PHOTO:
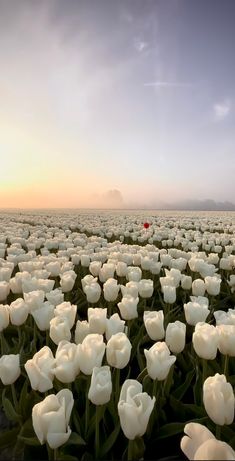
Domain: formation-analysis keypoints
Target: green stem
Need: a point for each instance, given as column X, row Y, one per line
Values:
column 130, row 450
column 87, row 408
column 204, row 370
column 2, row 343
column 50, row 453
column 97, row 432
column 218, row 432
column 226, row 360
column 117, row 383
column 14, row 398
column 141, row 376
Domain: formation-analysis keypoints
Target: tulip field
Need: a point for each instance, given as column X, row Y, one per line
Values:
column 117, row 333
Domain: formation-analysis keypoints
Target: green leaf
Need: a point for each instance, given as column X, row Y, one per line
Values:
column 75, row 439
column 181, row 390
column 9, row 409
column 170, row 429
column 108, row 444
column 7, row 437
column 66, row 457
column 32, row 441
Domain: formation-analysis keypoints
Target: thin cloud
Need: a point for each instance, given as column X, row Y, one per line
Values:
column 222, row 110
column 165, row 84
column 140, row 45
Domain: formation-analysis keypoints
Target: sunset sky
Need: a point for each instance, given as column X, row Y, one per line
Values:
column 116, row 102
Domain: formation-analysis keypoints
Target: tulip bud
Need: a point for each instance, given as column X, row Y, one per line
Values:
column 159, row 361
column 121, row 269
column 196, row 310
column 59, row 329
column 67, row 311
column 51, row 418
column 91, row 353
column 101, row 385
column 198, row 287
column 131, row 288
column 114, row 325
column 4, row 290
column 134, row 409
column 9, row 368
column 128, row 307
column 205, row 340
column 153, row 321
column 95, row 267
column 67, row 281
column 226, row 339
column 212, row 285
column 218, row 399
column 175, row 336
column 169, row 294
column 18, row 311
column 111, row 289
column 146, row 288
column 40, row 370
column 81, row 331
column 93, row 292
column 34, row 299
column 134, row 274
column 186, row 282
column 106, row 272
column 4, row 316
column 66, row 362
column 43, row 316
column 97, row 320
column 118, row 350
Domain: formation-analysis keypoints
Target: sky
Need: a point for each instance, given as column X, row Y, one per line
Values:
column 116, row 103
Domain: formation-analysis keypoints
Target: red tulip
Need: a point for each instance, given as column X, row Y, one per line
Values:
column 146, row 225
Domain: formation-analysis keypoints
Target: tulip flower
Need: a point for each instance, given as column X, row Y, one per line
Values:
column 175, row 336
column 66, row 362
column 97, row 320
column 9, row 368
column 159, row 361
column 205, row 340
column 153, row 321
column 91, row 353
column 51, row 418
column 40, row 370
column 218, row 399
column 118, row 350
column 134, row 409
column 101, row 385
column 128, row 307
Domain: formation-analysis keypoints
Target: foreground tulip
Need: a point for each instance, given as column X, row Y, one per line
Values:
column 134, row 409
column 101, row 385
column 199, row 444
column 40, row 370
column 153, row 321
column 218, row 399
column 91, row 353
column 128, row 307
column 9, row 368
column 66, row 362
column 118, row 350
column 97, row 319
column 51, row 418
column 175, row 336
column 18, row 311
column 114, row 325
column 198, row 287
column 111, row 290
column 205, row 341
column 159, row 361
column 226, row 339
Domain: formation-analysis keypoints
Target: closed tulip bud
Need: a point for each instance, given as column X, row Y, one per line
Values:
column 4, row 290
column 4, row 316
column 101, row 385
column 146, row 263
column 196, row 310
column 40, row 370
column 205, row 340
column 121, row 269
column 212, row 285
column 9, row 368
column 199, row 444
column 226, row 339
column 175, row 274
column 91, row 353
column 146, row 288
column 67, row 282
column 198, row 287
column 218, row 399
column 128, row 307
column 66, row 362
column 159, row 361
column 134, row 409
column 153, row 321
column 169, row 294
column 55, row 297
column 106, row 272
column 97, row 320
column 59, row 329
column 95, row 267
column 68, row 311
column 34, row 299
column 92, row 292
column 118, row 350
column 54, row 268
column 111, row 290
column 114, row 325
column 18, row 311
column 81, row 331
column 85, row 260
column 51, row 418
column 175, row 336
column 155, row 267
column 87, row 280
column 134, row 274
column 131, row 288
column 186, row 282
column 43, row 316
